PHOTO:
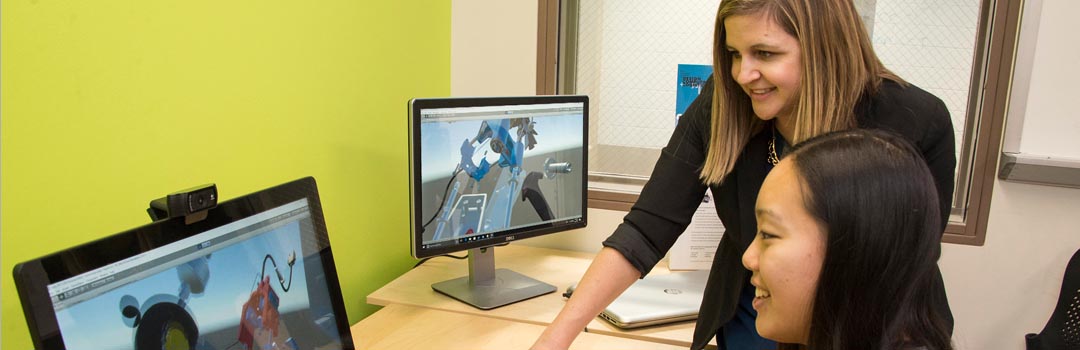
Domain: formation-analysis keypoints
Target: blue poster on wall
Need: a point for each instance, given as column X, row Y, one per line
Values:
column 691, row 78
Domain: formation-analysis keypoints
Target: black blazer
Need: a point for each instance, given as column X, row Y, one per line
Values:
column 674, row 191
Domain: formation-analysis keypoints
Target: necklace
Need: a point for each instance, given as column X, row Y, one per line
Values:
column 773, row 158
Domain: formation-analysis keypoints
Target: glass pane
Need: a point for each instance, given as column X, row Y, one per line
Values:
column 628, row 52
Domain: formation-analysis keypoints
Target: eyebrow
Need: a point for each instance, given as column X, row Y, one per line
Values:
column 768, row 213
column 765, row 47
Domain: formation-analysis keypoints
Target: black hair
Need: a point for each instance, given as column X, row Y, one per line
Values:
column 875, row 197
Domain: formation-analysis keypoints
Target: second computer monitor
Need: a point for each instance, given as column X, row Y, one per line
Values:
column 490, row 170
column 486, row 171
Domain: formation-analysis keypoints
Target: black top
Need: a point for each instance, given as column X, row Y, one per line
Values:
column 674, row 191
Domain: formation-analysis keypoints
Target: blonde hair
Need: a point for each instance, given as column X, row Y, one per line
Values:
column 839, row 67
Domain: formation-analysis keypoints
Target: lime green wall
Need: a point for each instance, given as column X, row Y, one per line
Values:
column 107, row 104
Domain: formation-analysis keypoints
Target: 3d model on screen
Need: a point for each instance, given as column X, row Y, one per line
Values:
column 260, row 326
column 467, row 207
column 166, row 321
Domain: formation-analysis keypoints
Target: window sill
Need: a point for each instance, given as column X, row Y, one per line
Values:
column 613, row 194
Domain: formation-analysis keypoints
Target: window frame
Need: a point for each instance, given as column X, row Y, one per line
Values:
column 995, row 56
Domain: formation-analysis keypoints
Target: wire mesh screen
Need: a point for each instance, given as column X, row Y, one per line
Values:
column 931, row 43
column 629, row 50
column 628, row 54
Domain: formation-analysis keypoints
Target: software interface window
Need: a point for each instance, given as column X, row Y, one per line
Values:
column 496, row 168
column 257, row 282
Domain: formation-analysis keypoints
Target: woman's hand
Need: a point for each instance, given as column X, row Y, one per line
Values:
column 607, row 277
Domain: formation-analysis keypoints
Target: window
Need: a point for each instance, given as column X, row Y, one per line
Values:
column 624, row 54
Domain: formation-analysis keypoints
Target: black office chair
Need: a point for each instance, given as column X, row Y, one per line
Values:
column 1062, row 331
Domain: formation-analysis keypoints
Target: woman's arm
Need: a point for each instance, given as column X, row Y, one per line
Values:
column 661, row 213
column 608, row 276
column 940, row 154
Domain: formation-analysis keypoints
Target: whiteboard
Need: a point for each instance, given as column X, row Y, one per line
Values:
column 1042, row 131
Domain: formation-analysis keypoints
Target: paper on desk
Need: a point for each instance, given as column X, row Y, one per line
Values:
column 694, row 250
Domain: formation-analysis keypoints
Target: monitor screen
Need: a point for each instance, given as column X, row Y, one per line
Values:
column 490, row 170
column 257, row 273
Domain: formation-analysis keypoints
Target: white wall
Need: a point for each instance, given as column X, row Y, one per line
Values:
column 998, row 292
column 1009, row 286
column 1047, row 128
column 493, row 47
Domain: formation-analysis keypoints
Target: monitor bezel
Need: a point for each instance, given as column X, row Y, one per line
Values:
column 415, row 197
column 33, row 277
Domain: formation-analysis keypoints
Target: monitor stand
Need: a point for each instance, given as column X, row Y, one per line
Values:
column 487, row 288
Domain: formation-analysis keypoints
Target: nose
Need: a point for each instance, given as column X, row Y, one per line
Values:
column 745, row 71
column 750, row 256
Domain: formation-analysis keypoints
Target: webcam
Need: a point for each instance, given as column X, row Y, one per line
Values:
column 191, row 204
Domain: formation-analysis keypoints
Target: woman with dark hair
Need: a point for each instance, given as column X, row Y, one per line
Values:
column 847, row 246
column 783, row 71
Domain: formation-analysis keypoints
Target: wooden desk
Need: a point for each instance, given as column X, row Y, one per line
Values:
column 557, row 267
column 409, row 327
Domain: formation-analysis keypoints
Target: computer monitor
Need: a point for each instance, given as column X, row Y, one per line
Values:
column 257, row 272
column 486, row 171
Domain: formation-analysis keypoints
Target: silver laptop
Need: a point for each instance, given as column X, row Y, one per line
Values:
column 657, row 299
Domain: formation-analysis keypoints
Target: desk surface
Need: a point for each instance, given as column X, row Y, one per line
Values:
column 409, row 327
column 557, row 267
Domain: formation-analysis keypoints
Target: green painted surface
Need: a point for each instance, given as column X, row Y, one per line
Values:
column 105, row 105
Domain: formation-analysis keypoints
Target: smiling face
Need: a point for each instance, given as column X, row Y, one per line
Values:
column 766, row 62
column 785, row 257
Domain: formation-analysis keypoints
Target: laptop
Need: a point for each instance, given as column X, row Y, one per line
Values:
column 657, row 299
column 257, row 272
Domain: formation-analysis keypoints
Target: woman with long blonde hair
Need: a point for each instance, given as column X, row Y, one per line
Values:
column 784, row 71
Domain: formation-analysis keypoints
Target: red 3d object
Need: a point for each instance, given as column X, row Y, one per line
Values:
column 260, row 314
